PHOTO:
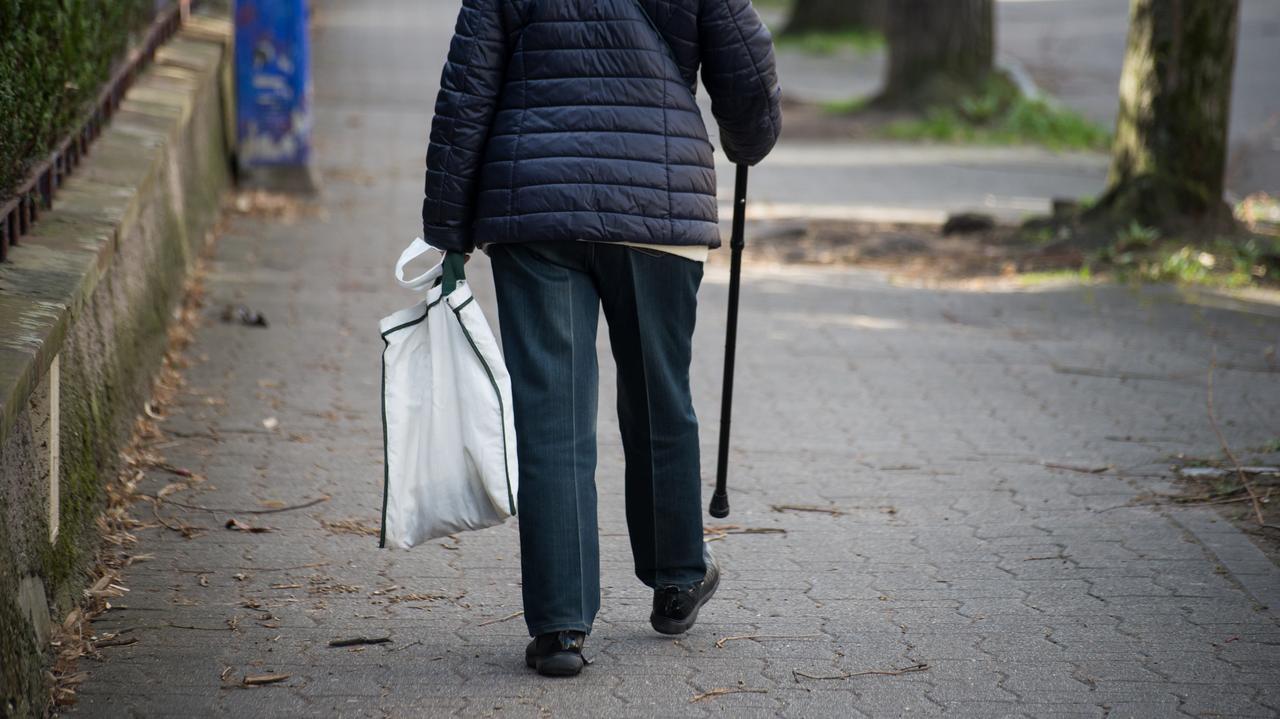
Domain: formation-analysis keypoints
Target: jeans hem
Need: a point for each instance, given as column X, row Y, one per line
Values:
column 561, row 627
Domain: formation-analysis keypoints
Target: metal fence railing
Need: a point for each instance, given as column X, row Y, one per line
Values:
column 35, row 193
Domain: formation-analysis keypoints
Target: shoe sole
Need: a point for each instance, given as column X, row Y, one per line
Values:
column 556, row 665
column 664, row 625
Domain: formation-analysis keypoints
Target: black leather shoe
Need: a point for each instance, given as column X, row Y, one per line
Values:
column 556, row 654
column 675, row 609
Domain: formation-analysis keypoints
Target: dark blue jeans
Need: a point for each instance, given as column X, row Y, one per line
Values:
column 549, row 300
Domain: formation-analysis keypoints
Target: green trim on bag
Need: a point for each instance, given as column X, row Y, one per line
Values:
column 411, row 323
column 502, row 409
column 386, row 467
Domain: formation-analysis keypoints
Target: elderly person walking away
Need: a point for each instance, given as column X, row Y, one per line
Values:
column 568, row 146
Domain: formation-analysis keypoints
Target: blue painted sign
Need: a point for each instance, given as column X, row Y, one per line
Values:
column 273, row 83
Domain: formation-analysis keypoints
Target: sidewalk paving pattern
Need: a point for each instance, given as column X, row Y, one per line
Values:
column 922, row 418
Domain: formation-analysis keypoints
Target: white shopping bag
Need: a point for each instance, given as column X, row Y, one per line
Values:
column 450, row 441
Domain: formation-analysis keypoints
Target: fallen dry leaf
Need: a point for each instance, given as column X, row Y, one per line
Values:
column 397, row 599
column 260, row 679
column 350, row 526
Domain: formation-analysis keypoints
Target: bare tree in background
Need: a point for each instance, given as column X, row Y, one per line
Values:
column 1169, row 158
column 939, row 50
column 809, row 16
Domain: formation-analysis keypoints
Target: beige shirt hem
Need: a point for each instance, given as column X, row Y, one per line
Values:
column 697, row 253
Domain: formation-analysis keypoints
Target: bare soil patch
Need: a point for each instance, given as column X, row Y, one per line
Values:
column 808, row 121
column 1219, row 484
column 909, row 251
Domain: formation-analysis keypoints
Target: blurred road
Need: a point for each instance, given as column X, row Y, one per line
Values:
column 920, row 477
column 1073, row 50
column 904, row 182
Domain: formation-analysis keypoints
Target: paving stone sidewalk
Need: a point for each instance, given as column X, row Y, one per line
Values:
column 942, row 431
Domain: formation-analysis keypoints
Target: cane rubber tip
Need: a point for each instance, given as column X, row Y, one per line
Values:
column 719, row 506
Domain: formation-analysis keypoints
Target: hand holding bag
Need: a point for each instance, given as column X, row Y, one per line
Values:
column 449, row 437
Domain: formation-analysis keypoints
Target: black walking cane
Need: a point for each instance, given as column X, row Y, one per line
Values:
column 720, row 500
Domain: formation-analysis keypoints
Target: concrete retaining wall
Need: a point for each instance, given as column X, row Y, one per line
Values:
column 84, row 306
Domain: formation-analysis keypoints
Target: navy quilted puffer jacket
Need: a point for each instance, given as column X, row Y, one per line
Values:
column 576, row 120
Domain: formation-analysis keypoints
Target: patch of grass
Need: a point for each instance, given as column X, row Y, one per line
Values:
column 1138, row 254
column 1034, row 279
column 998, row 116
column 863, row 42
column 1136, row 236
column 1271, row 447
column 1040, row 236
column 845, row 107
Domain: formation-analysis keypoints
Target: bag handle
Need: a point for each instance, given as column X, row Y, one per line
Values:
column 416, row 249
column 448, row 271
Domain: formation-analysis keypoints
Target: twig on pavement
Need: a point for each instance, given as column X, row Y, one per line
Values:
column 807, row 508
column 1226, row 448
column 721, row 691
column 1121, row 375
column 797, row 674
column 273, row 510
column 1207, row 502
column 725, row 640
column 509, row 617
column 202, row 629
column 185, row 530
column 1074, row 468
column 357, row 641
column 312, row 565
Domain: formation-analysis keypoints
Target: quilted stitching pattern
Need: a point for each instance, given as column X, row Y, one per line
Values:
column 574, row 119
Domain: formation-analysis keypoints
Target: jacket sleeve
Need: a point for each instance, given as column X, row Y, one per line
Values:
column 740, row 74
column 469, row 89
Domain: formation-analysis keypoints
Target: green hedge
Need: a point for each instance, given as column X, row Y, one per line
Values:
column 54, row 57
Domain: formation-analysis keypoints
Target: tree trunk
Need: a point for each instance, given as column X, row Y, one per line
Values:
column 938, row 50
column 1170, row 153
column 835, row 16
